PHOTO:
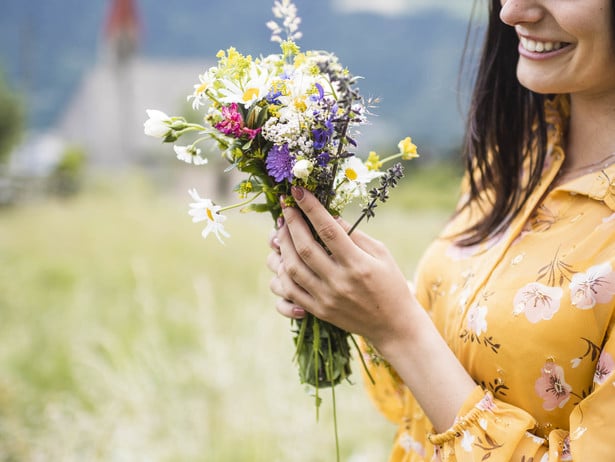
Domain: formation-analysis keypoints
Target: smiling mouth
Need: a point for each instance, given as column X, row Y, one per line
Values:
column 535, row 46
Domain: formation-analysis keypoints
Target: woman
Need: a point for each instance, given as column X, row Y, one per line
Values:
column 504, row 350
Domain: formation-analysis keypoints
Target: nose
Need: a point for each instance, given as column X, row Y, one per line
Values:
column 515, row 12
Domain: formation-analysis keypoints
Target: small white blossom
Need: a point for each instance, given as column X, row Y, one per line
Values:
column 158, row 125
column 189, row 154
column 205, row 210
column 303, row 168
column 286, row 11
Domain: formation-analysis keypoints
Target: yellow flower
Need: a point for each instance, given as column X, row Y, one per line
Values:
column 408, row 149
column 300, row 103
column 351, row 174
column 299, row 60
column 245, row 188
column 373, row 161
column 237, row 153
column 289, row 48
column 250, row 94
column 274, row 111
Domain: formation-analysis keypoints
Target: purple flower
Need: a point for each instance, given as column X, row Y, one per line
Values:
column 322, row 134
column 280, row 163
column 321, row 93
column 272, row 97
column 323, row 158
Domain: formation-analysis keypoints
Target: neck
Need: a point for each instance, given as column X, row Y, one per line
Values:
column 591, row 133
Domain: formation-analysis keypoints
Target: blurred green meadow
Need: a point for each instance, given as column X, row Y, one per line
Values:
column 126, row 337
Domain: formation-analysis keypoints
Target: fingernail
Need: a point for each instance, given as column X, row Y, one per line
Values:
column 283, row 202
column 298, row 312
column 280, row 222
column 276, row 242
column 297, row 192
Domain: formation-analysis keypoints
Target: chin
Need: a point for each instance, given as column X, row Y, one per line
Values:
column 539, row 84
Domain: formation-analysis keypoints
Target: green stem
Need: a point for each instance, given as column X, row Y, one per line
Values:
column 180, row 133
column 198, row 140
column 335, row 429
column 365, row 368
column 392, row 157
column 363, row 215
column 316, row 351
column 240, row 204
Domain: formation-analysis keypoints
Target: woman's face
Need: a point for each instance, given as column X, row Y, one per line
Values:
column 565, row 46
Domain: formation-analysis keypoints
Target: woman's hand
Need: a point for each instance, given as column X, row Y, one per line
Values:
column 356, row 286
column 274, row 261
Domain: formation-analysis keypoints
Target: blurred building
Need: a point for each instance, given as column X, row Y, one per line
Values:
column 106, row 114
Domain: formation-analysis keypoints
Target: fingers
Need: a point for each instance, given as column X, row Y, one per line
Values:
column 331, row 233
column 274, row 244
column 289, row 309
column 273, row 262
column 300, row 249
column 289, row 294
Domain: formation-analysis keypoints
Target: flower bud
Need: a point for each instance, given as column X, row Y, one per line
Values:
column 158, row 125
column 303, row 168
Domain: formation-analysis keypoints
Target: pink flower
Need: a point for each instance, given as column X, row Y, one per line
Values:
column 487, row 403
column 537, row 301
column 566, row 454
column 232, row 123
column 604, row 368
column 552, row 387
column 596, row 285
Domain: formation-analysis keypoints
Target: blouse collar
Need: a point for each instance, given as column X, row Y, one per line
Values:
column 598, row 184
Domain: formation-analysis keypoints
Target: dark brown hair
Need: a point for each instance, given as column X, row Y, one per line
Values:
column 506, row 125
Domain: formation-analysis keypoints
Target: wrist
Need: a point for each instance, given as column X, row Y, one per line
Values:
column 428, row 367
column 408, row 336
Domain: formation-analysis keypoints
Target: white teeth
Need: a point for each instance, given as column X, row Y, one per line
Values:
column 539, row 47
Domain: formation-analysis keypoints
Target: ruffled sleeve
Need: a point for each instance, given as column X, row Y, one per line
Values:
column 382, row 383
column 490, row 429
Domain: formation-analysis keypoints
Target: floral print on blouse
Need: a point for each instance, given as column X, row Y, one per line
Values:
column 530, row 315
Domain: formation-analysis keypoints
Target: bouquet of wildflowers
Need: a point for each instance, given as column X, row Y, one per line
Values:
column 285, row 119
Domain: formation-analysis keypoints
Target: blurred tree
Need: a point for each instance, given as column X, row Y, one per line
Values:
column 65, row 179
column 11, row 119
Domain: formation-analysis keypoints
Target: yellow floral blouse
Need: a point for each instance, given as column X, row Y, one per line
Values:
column 530, row 315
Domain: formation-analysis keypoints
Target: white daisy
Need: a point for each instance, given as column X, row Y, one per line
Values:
column 353, row 177
column 205, row 210
column 206, row 80
column 255, row 88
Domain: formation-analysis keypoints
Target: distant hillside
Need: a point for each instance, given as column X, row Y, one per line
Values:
column 411, row 63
